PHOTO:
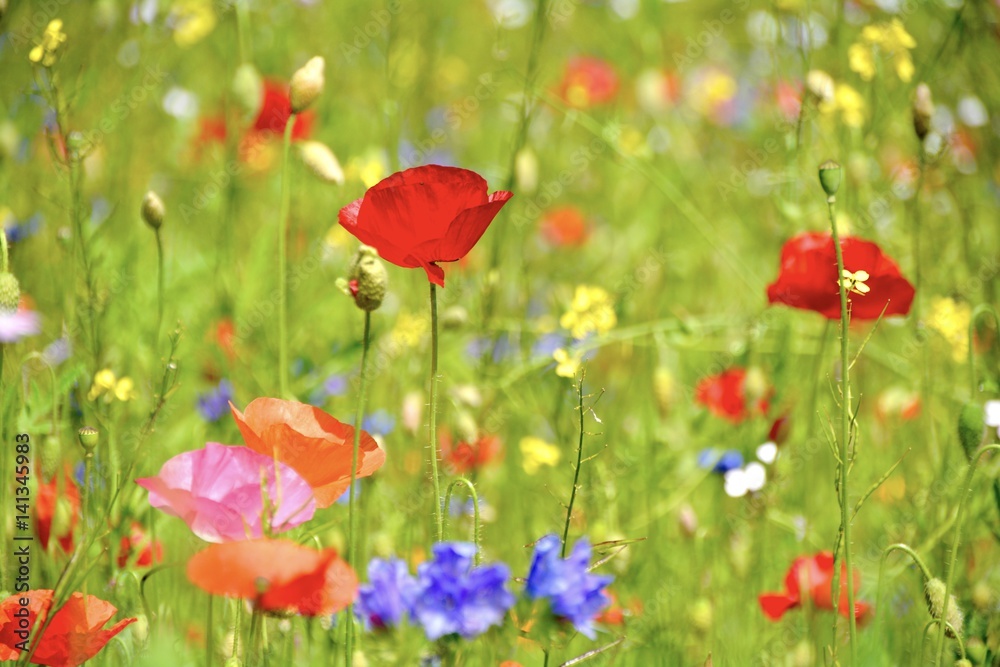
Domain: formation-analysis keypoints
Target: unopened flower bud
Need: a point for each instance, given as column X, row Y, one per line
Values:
column 367, row 279
column 321, row 161
column 934, row 591
column 153, row 210
column 88, row 438
column 687, row 520
column 971, row 428
column 307, row 84
column 923, row 111
column 248, row 89
column 10, row 293
column 454, row 317
column 140, row 629
column 49, row 455
column 829, row 177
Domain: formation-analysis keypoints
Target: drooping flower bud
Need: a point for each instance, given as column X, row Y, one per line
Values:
column 829, row 177
column 49, row 456
column 10, row 293
column 934, row 591
column 153, row 210
column 321, row 161
column 971, row 428
column 367, row 280
column 307, row 84
column 923, row 110
column 88, row 438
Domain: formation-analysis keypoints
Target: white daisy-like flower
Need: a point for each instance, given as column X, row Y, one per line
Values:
column 736, row 483
column 755, row 475
column 767, row 453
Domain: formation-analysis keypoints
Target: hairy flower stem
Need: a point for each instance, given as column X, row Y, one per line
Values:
column 845, row 448
column 438, row 518
column 881, row 571
column 159, row 285
column 282, row 263
column 461, row 481
column 352, row 547
column 576, row 473
column 950, row 572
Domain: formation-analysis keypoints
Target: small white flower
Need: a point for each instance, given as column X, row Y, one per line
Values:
column 767, row 452
column 736, row 483
column 755, row 475
column 992, row 414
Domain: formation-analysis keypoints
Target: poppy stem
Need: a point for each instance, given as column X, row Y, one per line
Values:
column 4, row 260
column 576, row 473
column 461, row 481
column 283, row 261
column 981, row 309
column 949, row 574
column 352, row 547
column 159, row 285
column 438, row 518
column 845, row 449
column 209, row 634
column 881, row 570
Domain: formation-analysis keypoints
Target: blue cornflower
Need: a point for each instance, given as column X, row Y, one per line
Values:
column 573, row 593
column 454, row 597
column 334, row 385
column 213, row 405
column 389, row 594
column 379, row 422
column 729, row 460
column 18, row 231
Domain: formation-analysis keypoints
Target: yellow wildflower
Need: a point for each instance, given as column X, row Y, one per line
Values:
column 106, row 384
column 591, row 311
column 888, row 38
column 45, row 51
column 409, row 330
column 849, row 103
column 536, row 453
column 195, row 20
column 567, row 365
column 951, row 318
column 855, row 282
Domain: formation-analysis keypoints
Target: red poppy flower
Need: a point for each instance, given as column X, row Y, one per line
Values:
column 462, row 457
column 276, row 109
column 423, row 216
column 588, row 82
column 57, row 510
column 808, row 278
column 565, row 226
column 74, row 636
column 811, row 578
column 728, row 395
column 313, row 443
column 780, row 430
column 137, row 540
column 278, row 575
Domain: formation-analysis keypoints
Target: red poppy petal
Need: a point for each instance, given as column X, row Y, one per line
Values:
column 775, row 605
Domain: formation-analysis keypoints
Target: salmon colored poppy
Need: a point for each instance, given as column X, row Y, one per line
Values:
column 587, row 82
column 74, row 636
column 425, row 215
column 461, row 457
column 808, row 278
column 311, row 442
column 278, row 575
column 810, row 580
column 565, row 226
column 729, row 395
column 57, row 510
column 137, row 541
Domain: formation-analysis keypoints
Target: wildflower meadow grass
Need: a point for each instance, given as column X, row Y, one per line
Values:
column 500, row 332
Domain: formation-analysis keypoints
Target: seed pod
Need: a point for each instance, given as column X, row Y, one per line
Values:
column 829, row 177
column 307, row 84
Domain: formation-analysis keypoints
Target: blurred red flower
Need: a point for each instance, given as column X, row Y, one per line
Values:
column 57, row 510
column 461, row 457
column 728, row 395
column 423, row 216
column 565, row 226
column 808, row 278
column 780, row 430
column 811, row 579
column 276, row 109
column 587, row 82
column 74, row 636
column 314, row 444
column 277, row 575
column 138, row 541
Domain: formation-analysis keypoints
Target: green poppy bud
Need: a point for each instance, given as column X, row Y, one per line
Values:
column 368, row 279
column 88, row 438
column 829, row 177
column 971, row 428
column 934, row 591
column 307, row 84
column 153, row 210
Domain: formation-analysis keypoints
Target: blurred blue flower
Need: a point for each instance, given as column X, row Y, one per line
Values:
column 466, row 508
column 389, row 595
column 454, row 597
column 379, row 422
column 57, row 351
column 547, row 344
column 213, row 405
column 18, row 231
column 334, row 385
column 573, row 593
column 505, row 347
column 729, row 460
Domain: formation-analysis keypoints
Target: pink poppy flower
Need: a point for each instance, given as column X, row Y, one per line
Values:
column 217, row 492
column 19, row 324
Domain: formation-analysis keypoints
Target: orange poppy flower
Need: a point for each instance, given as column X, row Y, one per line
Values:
column 58, row 510
column 462, row 457
column 313, row 443
column 73, row 637
column 278, row 575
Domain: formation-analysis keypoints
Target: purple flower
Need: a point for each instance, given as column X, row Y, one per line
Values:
column 573, row 593
column 214, row 405
column 17, row 325
column 455, row 598
column 729, row 460
column 335, row 385
column 390, row 593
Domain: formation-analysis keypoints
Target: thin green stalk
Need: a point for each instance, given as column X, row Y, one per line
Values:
column 915, row 237
column 283, row 261
column 461, row 481
column 881, row 570
column 210, row 634
column 438, row 518
column 576, row 472
column 845, row 453
column 4, row 260
column 351, row 518
column 967, row 489
column 159, row 285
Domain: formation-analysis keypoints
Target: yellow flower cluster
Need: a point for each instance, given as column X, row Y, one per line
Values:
column 848, row 102
column 592, row 311
column 45, row 51
column 889, row 38
column 536, row 453
column 951, row 319
column 110, row 387
column 195, row 20
column 567, row 363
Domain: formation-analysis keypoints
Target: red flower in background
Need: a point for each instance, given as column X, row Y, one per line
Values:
column 565, row 226
column 588, row 82
column 137, row 540
column 461, row 457
column 57, row 510
column 74, row 636
column 730, row 396
column 278, row 575
column 423, row 216
column 276, row 109
column 811, row 578
column 808, row 278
